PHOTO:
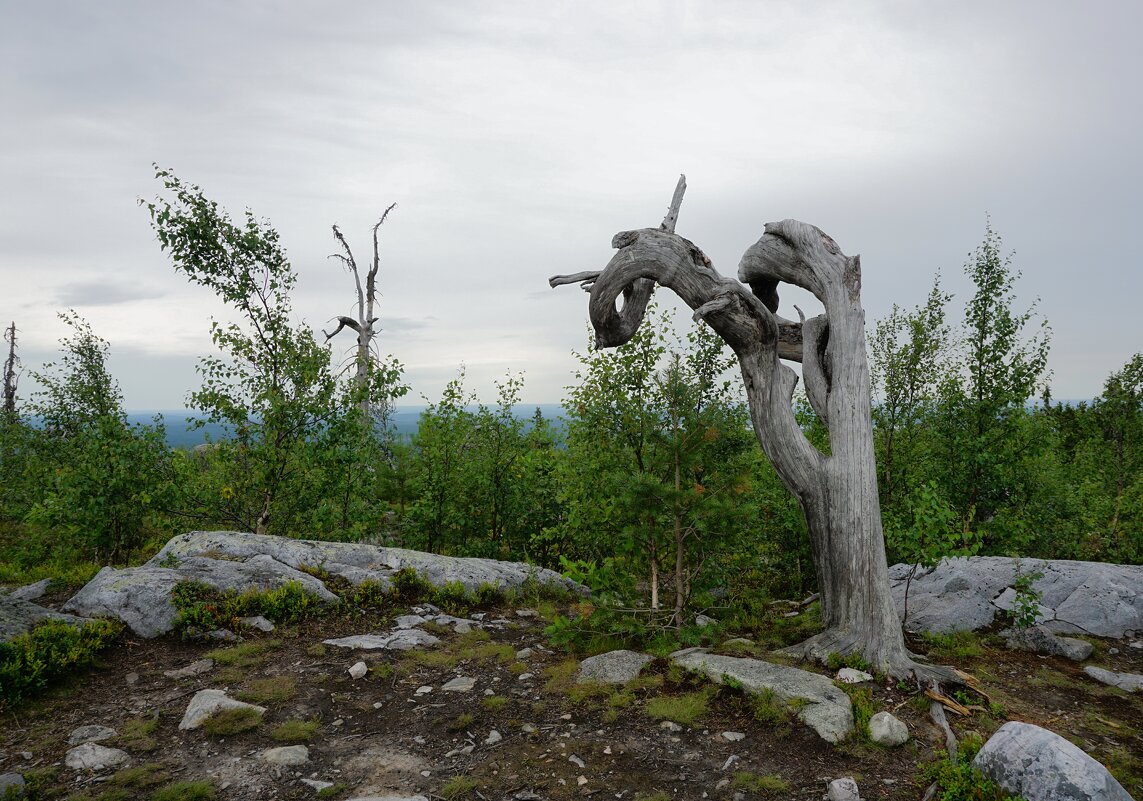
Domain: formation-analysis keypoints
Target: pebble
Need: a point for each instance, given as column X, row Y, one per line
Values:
column 524, row 653
column 524, row 677
column 733, row 736
column 423, row 690
column 317, row 784
column 463, row 627
column 730, row 760
column 670, row 725
column 579, row 763
column 132, row 679
column 193, row 669
column 90, row 734
column 257, row 622
column 607, row 749
column 286, row 755
column 1113, row 651
column 493, row 738
column 527, row 613
column 461, row 684
column 90, row 756
column 358, row 670
column 528, row 728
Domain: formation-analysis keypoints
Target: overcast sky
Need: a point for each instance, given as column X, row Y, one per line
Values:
column 517, row 138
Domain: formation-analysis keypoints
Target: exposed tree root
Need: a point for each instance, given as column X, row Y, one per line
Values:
column 885, row 657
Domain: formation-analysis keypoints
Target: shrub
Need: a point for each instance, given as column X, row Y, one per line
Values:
column 52, row 648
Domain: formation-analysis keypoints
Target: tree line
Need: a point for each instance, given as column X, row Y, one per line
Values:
column 652, row 489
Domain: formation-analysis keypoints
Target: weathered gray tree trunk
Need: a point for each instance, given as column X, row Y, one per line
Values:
column 363, row 325
column 10, row 377
column 837, row 493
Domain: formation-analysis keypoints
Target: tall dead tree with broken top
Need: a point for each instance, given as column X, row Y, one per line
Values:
column 837, row 493
column 10, row 377
column 363, row 325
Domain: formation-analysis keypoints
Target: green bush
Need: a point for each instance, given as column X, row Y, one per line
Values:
column 53, row 648
column 203, row 608
column 958, row 780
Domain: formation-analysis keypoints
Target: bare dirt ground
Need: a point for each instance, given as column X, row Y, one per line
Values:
column 379, row 736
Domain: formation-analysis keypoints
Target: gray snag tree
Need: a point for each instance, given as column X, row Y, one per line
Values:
column 10, row 377
column 837, row 493
column 366, row 302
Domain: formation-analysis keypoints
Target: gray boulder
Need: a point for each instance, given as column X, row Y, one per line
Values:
column 17, row 616
column 1131, row 682
column 359, row 562
column 1076, row 597
column 226, row 560
column 93, row 733
column 206, row 702
column 91, row 756
column 828, row 710
column 1039, row 765
column 614, row 667
column 843, row 790
column 141, row 596
column 885, row 729
column 12, row 784
column 30, row 592
column 400, row 640
column 1039, row 640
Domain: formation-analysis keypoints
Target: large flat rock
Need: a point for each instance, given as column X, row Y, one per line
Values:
column 1095, row 598
column 228, row 560
column 828, row 711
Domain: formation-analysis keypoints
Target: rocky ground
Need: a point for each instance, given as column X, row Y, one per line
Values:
column 493, row 712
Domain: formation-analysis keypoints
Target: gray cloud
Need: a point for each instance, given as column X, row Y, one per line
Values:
column 102, row 293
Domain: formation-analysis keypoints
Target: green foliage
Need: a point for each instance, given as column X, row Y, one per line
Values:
column 955, row 646
column 235, row 720
column 50, row 650
column 202, row 608
column 457, row 787
column 958, row 780
column 186, row 791
column 763, row 785
column 295, row 731
column 1025, row 610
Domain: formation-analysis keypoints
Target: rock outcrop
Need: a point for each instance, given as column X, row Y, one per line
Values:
column 1076, row 597
column 226, row 560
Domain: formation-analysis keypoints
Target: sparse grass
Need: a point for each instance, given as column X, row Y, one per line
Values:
column 954, row 646
column 226, row 722
column 245, row 655
column 317, row 650
column 1051, row 677
column 586, row 691
column 769, row 709
column 739, row 647
column 561, row 676
column 461, row 721
column 494, row 702
column 135, row 734
column 457, row 787
column 435, row 659
column 518, row 668
column 333, row 792
column 686, row 709
column 147, row 775
column 272, row 690
column 295, row 731
column 646, row 681
column 382, row 671
column 185, row 791
column 489, row 652
column 763, row 785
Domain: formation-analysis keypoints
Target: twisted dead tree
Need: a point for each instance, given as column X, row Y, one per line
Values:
column 837, row 493
column 366, row 302
column 10, row 376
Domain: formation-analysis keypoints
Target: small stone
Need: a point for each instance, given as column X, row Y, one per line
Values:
column 528, row 728
column 426, row 773
column 358, row 670
column 90, row 734
column 670, row 725
column 193, row 669
column 286, row 755
column 525, row 653
column 1131, row 682
column 205, row 703
column 493, row 738
column 132, row 679
column 337, row 724
column 223, row 635
column 257, row 622
column 730, row 760
column 409, row 621
column 733, row 736
column 463, row 627
column 26, row 756
column 851, row 676
column 91, row 756
column 317, row 784
column 565, row 716
column 581, row 780
column 1137, row 644
column 579, row 763
column 1113, row 652
column 722, row 784
column 419, row 740
column 461, row 684
column 607, row 749
column 423, row 690
column 527, row 613
column 378, row 704
column 702, row 621
column 524, row 677
column 885, row 729
column 843, row 790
